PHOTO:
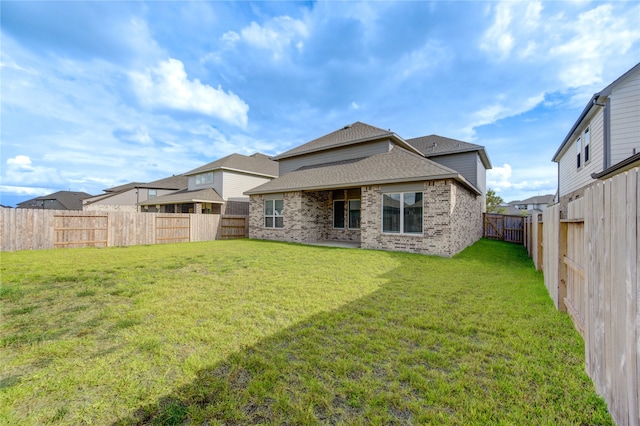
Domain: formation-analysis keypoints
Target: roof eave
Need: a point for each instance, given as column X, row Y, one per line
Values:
column 583, row 115
column 455, row 176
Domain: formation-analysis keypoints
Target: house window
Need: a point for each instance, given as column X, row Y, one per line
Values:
column 273, row 210
column 204, row 178
column 402, row 213
column 587, row 139
column 338, row 214
column 354, row 214
column 578, row 150
column 153, row 193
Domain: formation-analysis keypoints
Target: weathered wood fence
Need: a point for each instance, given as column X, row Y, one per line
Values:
column 504, row 227
column 32, row 229
column 590, row 264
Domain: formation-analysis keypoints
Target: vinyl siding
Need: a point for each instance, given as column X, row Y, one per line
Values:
column 572, row 178
column 625, row 119
column 465, row 163
column 235, row 184
column 338, row 154
column 481, row 174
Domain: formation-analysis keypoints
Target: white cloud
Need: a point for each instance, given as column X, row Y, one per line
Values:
column 167, row 85
column 498, row 37
column 275, row 35
column 354, row 106
column 526, row 181
column 432, row 55
column 503, row 108
column 20, row 171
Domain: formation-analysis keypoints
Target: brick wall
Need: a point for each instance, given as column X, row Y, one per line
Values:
column 452, row 220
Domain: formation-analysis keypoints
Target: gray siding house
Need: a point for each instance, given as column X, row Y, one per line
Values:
column 604, row 140
column 217, row 187
column 127, row 197
column 373, row 189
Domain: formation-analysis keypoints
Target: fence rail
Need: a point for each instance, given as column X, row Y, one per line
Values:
column 590, row 263
column 33, row 229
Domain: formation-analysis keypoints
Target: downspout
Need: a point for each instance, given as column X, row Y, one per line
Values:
column 606, row 157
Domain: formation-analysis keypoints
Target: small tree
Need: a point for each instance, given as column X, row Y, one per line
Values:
column 493, row 202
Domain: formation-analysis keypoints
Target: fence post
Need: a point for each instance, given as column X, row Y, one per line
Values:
column 562, row 267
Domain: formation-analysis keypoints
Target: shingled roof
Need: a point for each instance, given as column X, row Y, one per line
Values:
column 71, row 200
column 397, row 165
column 207, row 195
column 351, row 134
column 257, row 163
column 434, row 145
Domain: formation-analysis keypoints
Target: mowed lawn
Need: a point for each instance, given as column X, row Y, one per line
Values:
column 246, row 332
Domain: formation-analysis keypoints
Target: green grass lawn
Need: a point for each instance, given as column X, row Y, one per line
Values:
column 245, row 332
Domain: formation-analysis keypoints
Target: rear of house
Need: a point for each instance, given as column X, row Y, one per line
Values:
column 368, row 186
column 605, row 137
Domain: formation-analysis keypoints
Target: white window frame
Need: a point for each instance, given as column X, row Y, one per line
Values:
column 334, row 213
column 274, row 215
column 349, row 212
column 153, row 193
column 204, row 178
column 401, row 232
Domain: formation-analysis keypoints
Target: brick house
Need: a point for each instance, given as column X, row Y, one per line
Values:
column 604, row 140
column 371, row 188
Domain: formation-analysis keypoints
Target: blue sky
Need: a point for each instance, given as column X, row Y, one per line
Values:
column 97, row 94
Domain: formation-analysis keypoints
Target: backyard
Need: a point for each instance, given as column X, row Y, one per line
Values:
column 244, row 332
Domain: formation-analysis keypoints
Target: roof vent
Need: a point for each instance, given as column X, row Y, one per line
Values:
column 348, row 126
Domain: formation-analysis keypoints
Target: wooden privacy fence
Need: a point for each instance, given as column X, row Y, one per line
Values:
column 232, row 227
column 32, row 229
column 590, row 262
column 504, row 227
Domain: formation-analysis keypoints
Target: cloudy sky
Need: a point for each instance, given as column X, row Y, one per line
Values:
column 98, row 94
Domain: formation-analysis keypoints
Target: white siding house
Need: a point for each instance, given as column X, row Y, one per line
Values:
column 606, row 136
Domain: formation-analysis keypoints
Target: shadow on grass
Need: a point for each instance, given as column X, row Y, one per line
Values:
column 425, row 348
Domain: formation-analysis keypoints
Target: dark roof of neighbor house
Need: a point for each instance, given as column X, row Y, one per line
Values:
column 174, row 182
column 350, row 134
column 397, row 165
column 69, row 199
column 257, row 163
column 434, row 145
column 624, row 165
column 171, row 182
column 604, row 93
column 207, row 195
column 124, row 187
column 538, row 199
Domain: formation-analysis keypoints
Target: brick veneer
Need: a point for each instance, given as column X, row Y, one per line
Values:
column 452, row 220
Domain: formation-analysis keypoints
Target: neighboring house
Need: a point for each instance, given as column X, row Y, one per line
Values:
column 218, row 187
column 127, row 197
column 605, row 139
column 536, row 204
column 374, row 189
column 61, row 200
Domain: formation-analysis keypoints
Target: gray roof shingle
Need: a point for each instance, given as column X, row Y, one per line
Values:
column 434, row 145
column 257, row 163
column 397, row 165
column 348, row 135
